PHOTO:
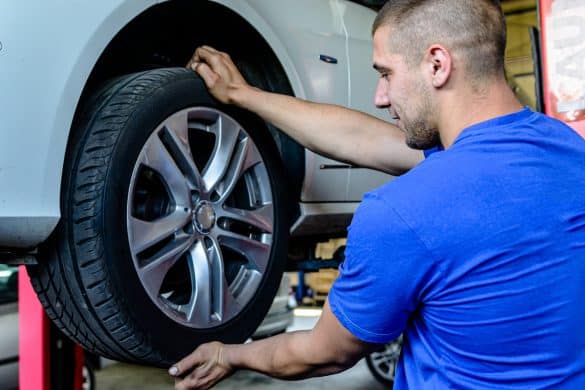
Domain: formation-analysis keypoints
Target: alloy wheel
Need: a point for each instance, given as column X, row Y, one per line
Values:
column 200, row 217
column 384, row 362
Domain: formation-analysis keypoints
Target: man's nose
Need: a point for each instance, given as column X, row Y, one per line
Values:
column 382, row 97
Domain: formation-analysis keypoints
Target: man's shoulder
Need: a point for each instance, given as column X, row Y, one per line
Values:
column 429, row 175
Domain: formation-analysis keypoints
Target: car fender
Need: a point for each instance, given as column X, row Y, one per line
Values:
column 45, row 63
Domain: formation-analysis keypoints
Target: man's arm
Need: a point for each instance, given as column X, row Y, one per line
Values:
column 326, row 349
column 334, row 131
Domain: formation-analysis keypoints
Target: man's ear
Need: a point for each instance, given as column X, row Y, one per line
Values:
column 439, row 63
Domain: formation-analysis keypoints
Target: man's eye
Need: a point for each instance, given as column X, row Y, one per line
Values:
column 385, row 76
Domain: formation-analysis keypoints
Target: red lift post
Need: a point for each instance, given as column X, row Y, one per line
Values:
column 33, row 337
column 47, row 359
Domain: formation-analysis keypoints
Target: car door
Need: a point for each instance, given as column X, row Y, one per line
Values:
column 315, row 40
column 362, row 84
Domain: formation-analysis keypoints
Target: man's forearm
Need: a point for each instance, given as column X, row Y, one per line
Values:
column 333, row 131
column 326, row 349
column 286, row 356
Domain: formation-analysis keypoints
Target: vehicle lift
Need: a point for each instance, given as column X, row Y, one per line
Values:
column 314, row 264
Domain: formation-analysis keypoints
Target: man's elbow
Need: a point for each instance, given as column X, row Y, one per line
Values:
column 340, row 360
column 338, row 363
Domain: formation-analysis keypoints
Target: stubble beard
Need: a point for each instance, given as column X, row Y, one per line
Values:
column 420, row 133
column 420, row 136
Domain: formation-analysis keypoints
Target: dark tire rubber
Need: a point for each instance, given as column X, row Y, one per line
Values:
column 85, row 278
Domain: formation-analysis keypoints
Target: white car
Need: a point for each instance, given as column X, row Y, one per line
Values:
column 160, row 219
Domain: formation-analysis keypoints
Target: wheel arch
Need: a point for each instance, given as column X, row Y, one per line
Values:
column 166, row 34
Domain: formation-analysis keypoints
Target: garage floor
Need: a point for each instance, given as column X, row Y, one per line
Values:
column 125, row 376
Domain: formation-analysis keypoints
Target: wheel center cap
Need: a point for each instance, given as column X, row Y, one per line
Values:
column 204, row 217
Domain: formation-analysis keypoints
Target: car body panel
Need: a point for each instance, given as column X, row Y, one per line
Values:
column 44, row 70
column 304, row 36
column 363, row 80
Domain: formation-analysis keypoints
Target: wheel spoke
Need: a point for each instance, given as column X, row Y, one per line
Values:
column 379, row 358
column 224, row 302
column 226, row 133
column 261, row 218
column 175, row 134
column 154, row 272
column 157, row 157
column 244, row 286
column 245, row 157
column 256, row 252
column 199, row 308
column 145, row 234
column 230, row 304
column 392, row 372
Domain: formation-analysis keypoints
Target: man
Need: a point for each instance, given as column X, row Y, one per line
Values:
column 477, row 254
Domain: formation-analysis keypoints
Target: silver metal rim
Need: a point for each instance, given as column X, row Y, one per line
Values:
column 385, row 362
column 200, row 217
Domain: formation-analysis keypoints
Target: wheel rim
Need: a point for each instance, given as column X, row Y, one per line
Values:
column 200, row 217
column 385, row 362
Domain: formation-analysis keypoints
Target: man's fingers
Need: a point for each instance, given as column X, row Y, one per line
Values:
column 220, row 62
column 186, row 365
column 213, row 58
column 198, row 379
column 209, row 49
column 218, row 71
column 206, row 73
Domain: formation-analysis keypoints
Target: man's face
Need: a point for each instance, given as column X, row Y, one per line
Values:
column 403, row 91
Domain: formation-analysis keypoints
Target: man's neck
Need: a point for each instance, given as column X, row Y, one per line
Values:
column 466, row 108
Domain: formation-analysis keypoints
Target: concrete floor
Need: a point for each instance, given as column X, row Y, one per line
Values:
column 125, row 376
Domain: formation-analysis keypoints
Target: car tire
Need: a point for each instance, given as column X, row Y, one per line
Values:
column 174, row 226
column 382, row 364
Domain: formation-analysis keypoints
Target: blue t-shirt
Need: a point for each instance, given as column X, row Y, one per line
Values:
column 478, row 256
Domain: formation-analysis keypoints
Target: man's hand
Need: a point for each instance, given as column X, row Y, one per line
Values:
column 218, row 71
column 203, row 368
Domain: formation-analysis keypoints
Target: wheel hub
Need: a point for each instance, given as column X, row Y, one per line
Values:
column 204, row 217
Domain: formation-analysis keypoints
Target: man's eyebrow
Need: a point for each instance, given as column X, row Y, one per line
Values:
column 380, row 68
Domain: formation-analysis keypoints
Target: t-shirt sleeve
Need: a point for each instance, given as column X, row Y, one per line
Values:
column 382, row 279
